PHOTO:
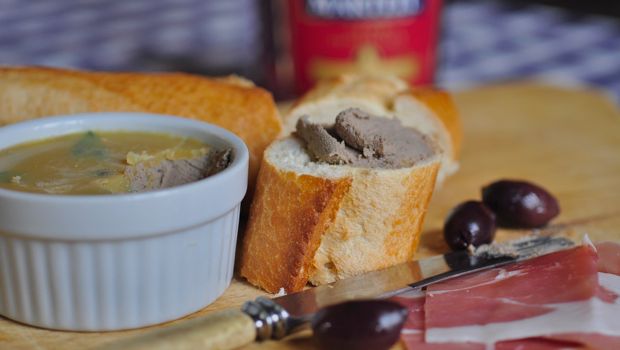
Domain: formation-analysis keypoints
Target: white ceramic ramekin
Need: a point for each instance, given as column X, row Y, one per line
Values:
column 109, row 262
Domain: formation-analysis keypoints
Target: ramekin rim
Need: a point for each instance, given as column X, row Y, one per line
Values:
column 241, row 156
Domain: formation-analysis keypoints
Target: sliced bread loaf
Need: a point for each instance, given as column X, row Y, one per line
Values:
column 316, row 222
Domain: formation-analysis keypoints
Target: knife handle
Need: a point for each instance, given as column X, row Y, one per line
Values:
column 224, row 330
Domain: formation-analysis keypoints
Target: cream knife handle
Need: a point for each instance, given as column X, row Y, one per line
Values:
column 224, row 330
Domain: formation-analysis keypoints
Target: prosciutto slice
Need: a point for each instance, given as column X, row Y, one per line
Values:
column 609, row 257
column 557, row 301
column 413, row 332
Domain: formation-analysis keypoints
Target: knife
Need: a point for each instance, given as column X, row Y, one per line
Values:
column 276, row 318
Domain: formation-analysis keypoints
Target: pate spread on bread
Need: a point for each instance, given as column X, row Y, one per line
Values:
column 334, row 199
column 429, row 110
column 362, row 140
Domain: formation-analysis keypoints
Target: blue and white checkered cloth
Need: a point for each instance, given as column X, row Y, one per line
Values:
column 485, row 41
column 482, row 40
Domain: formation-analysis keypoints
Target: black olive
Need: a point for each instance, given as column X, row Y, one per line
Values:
column 470, row 223
column 520, row 204
column 360, row 324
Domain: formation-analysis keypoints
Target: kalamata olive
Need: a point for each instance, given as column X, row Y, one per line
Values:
column 360, row 324
column 520, row 203
column 470, row 223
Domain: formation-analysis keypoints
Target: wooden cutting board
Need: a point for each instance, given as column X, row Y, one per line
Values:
column 566, row 140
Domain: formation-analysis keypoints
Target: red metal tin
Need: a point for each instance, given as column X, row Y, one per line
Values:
column 330, row 37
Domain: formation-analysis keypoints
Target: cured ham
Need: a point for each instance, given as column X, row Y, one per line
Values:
column 557, row 301
column 413, row 332
column 609, row 257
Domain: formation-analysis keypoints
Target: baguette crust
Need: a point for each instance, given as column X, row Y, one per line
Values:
column 289, row 214
column 376, row 90
column 232, row 103
column 378, row 225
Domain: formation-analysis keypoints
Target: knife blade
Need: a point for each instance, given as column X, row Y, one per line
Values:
column 301, row 306
column 275, row 318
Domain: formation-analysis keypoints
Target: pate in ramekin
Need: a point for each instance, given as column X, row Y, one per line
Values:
column 109, row 262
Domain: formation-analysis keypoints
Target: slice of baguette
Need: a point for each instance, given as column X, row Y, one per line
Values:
column 233, row 103
column 429, row 110
column 318, row 222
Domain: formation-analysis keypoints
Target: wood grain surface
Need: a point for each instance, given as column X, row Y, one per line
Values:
column 567, row 140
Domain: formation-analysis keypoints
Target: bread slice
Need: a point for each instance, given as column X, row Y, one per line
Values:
column 233, row 103
column 429, row 110
column 316, row 222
